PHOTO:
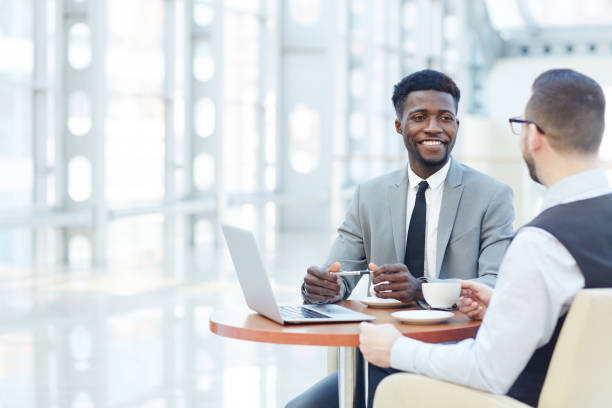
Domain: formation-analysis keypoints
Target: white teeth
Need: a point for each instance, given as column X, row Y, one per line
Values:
column 432, row 142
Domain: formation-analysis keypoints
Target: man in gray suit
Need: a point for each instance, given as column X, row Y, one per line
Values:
column 434, row 219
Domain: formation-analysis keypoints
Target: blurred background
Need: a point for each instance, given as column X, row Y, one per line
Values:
column 129, row 129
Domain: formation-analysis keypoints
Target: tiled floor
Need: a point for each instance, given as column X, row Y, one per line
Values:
column 136, row 334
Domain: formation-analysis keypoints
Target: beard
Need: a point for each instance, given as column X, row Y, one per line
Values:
column 531, row 167
column 430, row 162
column 528, row 159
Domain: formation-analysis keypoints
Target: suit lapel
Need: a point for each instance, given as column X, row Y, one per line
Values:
column 453, row 188
column 396, row 198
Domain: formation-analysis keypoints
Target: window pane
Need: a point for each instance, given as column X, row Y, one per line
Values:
column 241, row 146
column 241, row 68
column 135, row 59
column 305, row 139
column 134, row 149
column 15, row 146
column 135, row 124
column 16, row 38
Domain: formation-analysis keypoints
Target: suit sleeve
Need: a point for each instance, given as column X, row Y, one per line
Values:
column 348, row 248
column 495, row 235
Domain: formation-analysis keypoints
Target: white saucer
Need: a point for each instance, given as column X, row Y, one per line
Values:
column 373, row 301
column 422, row 316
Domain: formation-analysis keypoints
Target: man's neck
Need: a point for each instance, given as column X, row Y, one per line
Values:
column 568, row 166
column 425, row 172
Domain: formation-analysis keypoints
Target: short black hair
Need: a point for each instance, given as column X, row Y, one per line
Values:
column 570, row 108
column 425, row 80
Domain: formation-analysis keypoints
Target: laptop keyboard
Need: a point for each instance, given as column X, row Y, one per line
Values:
column 298, row 312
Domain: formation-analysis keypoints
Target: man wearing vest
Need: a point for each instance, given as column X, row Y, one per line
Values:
column 566, row 248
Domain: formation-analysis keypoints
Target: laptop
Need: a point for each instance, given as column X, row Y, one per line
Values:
column 258, row 291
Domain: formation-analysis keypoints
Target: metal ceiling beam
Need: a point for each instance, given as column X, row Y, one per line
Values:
column 491, row 43
column 581, row 41
column 530, row 23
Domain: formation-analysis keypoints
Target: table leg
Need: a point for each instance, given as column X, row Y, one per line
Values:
column 365, row 382
column 346, row 375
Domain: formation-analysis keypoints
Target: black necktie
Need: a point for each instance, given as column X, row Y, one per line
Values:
column 415, row 243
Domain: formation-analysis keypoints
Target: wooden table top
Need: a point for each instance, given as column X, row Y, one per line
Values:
column 248, row 325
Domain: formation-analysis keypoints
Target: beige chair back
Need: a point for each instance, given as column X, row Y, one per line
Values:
column 580, row 372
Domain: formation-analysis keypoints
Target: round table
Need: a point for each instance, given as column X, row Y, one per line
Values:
column 248, row 325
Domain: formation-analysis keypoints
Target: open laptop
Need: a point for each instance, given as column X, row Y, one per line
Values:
column 258, row 291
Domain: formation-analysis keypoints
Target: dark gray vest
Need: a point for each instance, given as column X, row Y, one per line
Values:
column 585, row 230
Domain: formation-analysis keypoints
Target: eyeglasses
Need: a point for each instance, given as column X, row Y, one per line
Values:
column 516, row 124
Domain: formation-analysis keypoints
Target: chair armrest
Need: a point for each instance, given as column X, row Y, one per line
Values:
column 412, row 390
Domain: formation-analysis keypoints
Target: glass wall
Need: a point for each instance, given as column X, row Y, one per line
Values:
column 16, row 106
column 129, row 126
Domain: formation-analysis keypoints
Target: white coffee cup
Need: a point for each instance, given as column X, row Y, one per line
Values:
column 441, row 294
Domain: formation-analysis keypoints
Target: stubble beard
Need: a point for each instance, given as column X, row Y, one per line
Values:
column 531, row 167
column 432, row 162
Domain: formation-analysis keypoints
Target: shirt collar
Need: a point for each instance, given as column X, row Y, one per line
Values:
column 581, row 186
column 434, row 180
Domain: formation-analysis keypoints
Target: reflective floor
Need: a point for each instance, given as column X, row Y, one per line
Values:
column 135, row 334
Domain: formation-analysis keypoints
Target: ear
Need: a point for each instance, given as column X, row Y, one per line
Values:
column 398, row 126
column 535, row 139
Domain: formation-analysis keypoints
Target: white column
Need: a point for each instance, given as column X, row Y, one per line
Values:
column 169, row 95
column 98, row 22
column 194, row 91
column 40, row 114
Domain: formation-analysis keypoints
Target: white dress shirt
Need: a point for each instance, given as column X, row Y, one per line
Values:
column 433, row 200
column 538, row 280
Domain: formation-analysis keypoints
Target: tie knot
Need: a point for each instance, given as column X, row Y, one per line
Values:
column 422, row 187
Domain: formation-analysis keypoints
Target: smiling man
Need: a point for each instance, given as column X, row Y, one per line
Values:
column 434, row 219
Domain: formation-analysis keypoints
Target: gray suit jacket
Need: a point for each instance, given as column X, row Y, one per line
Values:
column 474, row 229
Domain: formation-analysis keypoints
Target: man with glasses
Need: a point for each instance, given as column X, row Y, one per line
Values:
column 566, row 248
column 433, row 219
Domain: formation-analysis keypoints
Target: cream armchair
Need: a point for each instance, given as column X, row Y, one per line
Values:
column 579, row 375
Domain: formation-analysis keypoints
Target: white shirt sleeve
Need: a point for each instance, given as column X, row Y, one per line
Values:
column 538, row 280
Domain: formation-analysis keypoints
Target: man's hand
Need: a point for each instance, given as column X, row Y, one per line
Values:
column 322, row 285
column 476, row 298
column 375, row 342
column 398, row 282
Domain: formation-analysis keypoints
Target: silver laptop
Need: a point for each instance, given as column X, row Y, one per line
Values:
column 258, row 291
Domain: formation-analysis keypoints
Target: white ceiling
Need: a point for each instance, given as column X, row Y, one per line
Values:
column 517, row 14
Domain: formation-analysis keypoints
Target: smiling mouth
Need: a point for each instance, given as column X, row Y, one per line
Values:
column 432, row 142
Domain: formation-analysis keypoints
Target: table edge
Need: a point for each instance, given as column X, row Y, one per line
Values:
column 336, row 339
